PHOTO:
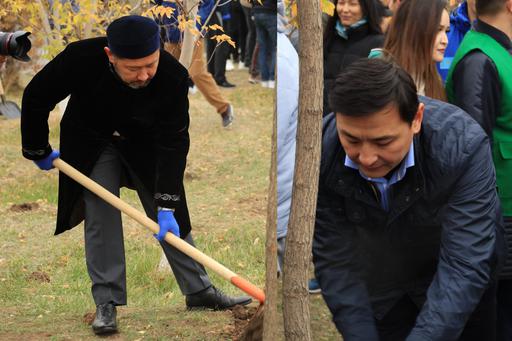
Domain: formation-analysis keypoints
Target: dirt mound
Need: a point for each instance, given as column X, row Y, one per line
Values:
column 39, row 276
column 24, row 207
column 246, row 325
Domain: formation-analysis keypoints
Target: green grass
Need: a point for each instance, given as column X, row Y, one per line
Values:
column 226, row 183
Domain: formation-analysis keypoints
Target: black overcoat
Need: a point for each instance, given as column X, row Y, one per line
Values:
column 153, row 123
column 340, row 53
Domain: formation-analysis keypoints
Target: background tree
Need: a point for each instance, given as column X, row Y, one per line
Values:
column 54, row 24
column 305, row 184
column 270, row 321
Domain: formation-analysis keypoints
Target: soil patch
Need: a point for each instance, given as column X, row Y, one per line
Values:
column 39, row 276
column 24, row 207
column 243, row 329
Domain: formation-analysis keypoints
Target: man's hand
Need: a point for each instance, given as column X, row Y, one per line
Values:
column 47, row 162
column 167, row 223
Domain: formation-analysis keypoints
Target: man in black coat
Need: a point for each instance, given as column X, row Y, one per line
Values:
column 126, row 124
column 408, row 228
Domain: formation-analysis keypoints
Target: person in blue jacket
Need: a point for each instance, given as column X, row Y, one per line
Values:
column 460, row 23
column 408, row 237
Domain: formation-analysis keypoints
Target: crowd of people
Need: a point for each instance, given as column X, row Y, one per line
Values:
column 414, row 208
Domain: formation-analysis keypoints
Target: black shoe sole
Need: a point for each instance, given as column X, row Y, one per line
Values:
column 246, row 302
column 104, row 330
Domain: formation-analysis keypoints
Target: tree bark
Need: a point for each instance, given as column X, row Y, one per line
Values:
column 270, row 318
column 305, row 184
column 187, row 47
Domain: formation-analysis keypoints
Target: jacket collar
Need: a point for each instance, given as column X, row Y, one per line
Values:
column 494, row 33
column 344, row 32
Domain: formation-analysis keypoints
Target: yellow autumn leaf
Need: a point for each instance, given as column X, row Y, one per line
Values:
column 327, row 7
column 216, row 27
column 220, row 38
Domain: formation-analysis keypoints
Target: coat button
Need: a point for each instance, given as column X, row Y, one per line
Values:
column 407, row 198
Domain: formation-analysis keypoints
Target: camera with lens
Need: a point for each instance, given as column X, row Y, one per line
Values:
column 15, row 44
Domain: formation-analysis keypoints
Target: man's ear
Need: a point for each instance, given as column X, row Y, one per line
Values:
column 418, row 118
column 110, row 55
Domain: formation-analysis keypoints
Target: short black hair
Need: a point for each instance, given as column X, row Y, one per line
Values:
column 369, row 85
column 489, row 7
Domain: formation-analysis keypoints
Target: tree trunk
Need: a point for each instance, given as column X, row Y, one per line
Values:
column 305, row 183
column 270, row 321
column 187, row 49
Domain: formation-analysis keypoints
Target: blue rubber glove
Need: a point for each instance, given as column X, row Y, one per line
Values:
column 167, row 223
column 47, row 162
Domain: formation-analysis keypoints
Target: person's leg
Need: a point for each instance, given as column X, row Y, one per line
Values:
column 261, row 37
column 251, row 36
column 271, row 24
column 211, row 51
column 104, row 248
column 482, row 322
column 204, row 80
column 254, row 70
column 234, row 32
column 399, row 321
column 242, row 29
column 221, row 54
column 190, row 275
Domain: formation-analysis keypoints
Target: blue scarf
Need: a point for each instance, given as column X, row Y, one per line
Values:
column 342, row 31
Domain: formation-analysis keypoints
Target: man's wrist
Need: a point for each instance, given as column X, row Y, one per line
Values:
column 165, row 209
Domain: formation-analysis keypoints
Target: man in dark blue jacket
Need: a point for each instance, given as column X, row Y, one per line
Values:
column 408, row 228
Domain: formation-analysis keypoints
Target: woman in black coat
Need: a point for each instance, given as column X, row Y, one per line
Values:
column 349, row 35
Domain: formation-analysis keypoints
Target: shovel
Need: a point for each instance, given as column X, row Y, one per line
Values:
column 178, row 243
column 7, row 108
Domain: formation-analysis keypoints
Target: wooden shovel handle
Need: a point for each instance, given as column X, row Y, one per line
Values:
column 178, row 243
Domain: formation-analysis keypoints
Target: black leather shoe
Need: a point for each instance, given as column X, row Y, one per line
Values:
column 226, row 84
column 105, row 320
column 213, row 298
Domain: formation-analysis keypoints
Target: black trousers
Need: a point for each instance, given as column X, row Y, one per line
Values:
column 216, row 56
column 238, row 31
column 481, row 326
column 250, row 41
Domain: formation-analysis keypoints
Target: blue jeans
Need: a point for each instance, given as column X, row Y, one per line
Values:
column 266, row 32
